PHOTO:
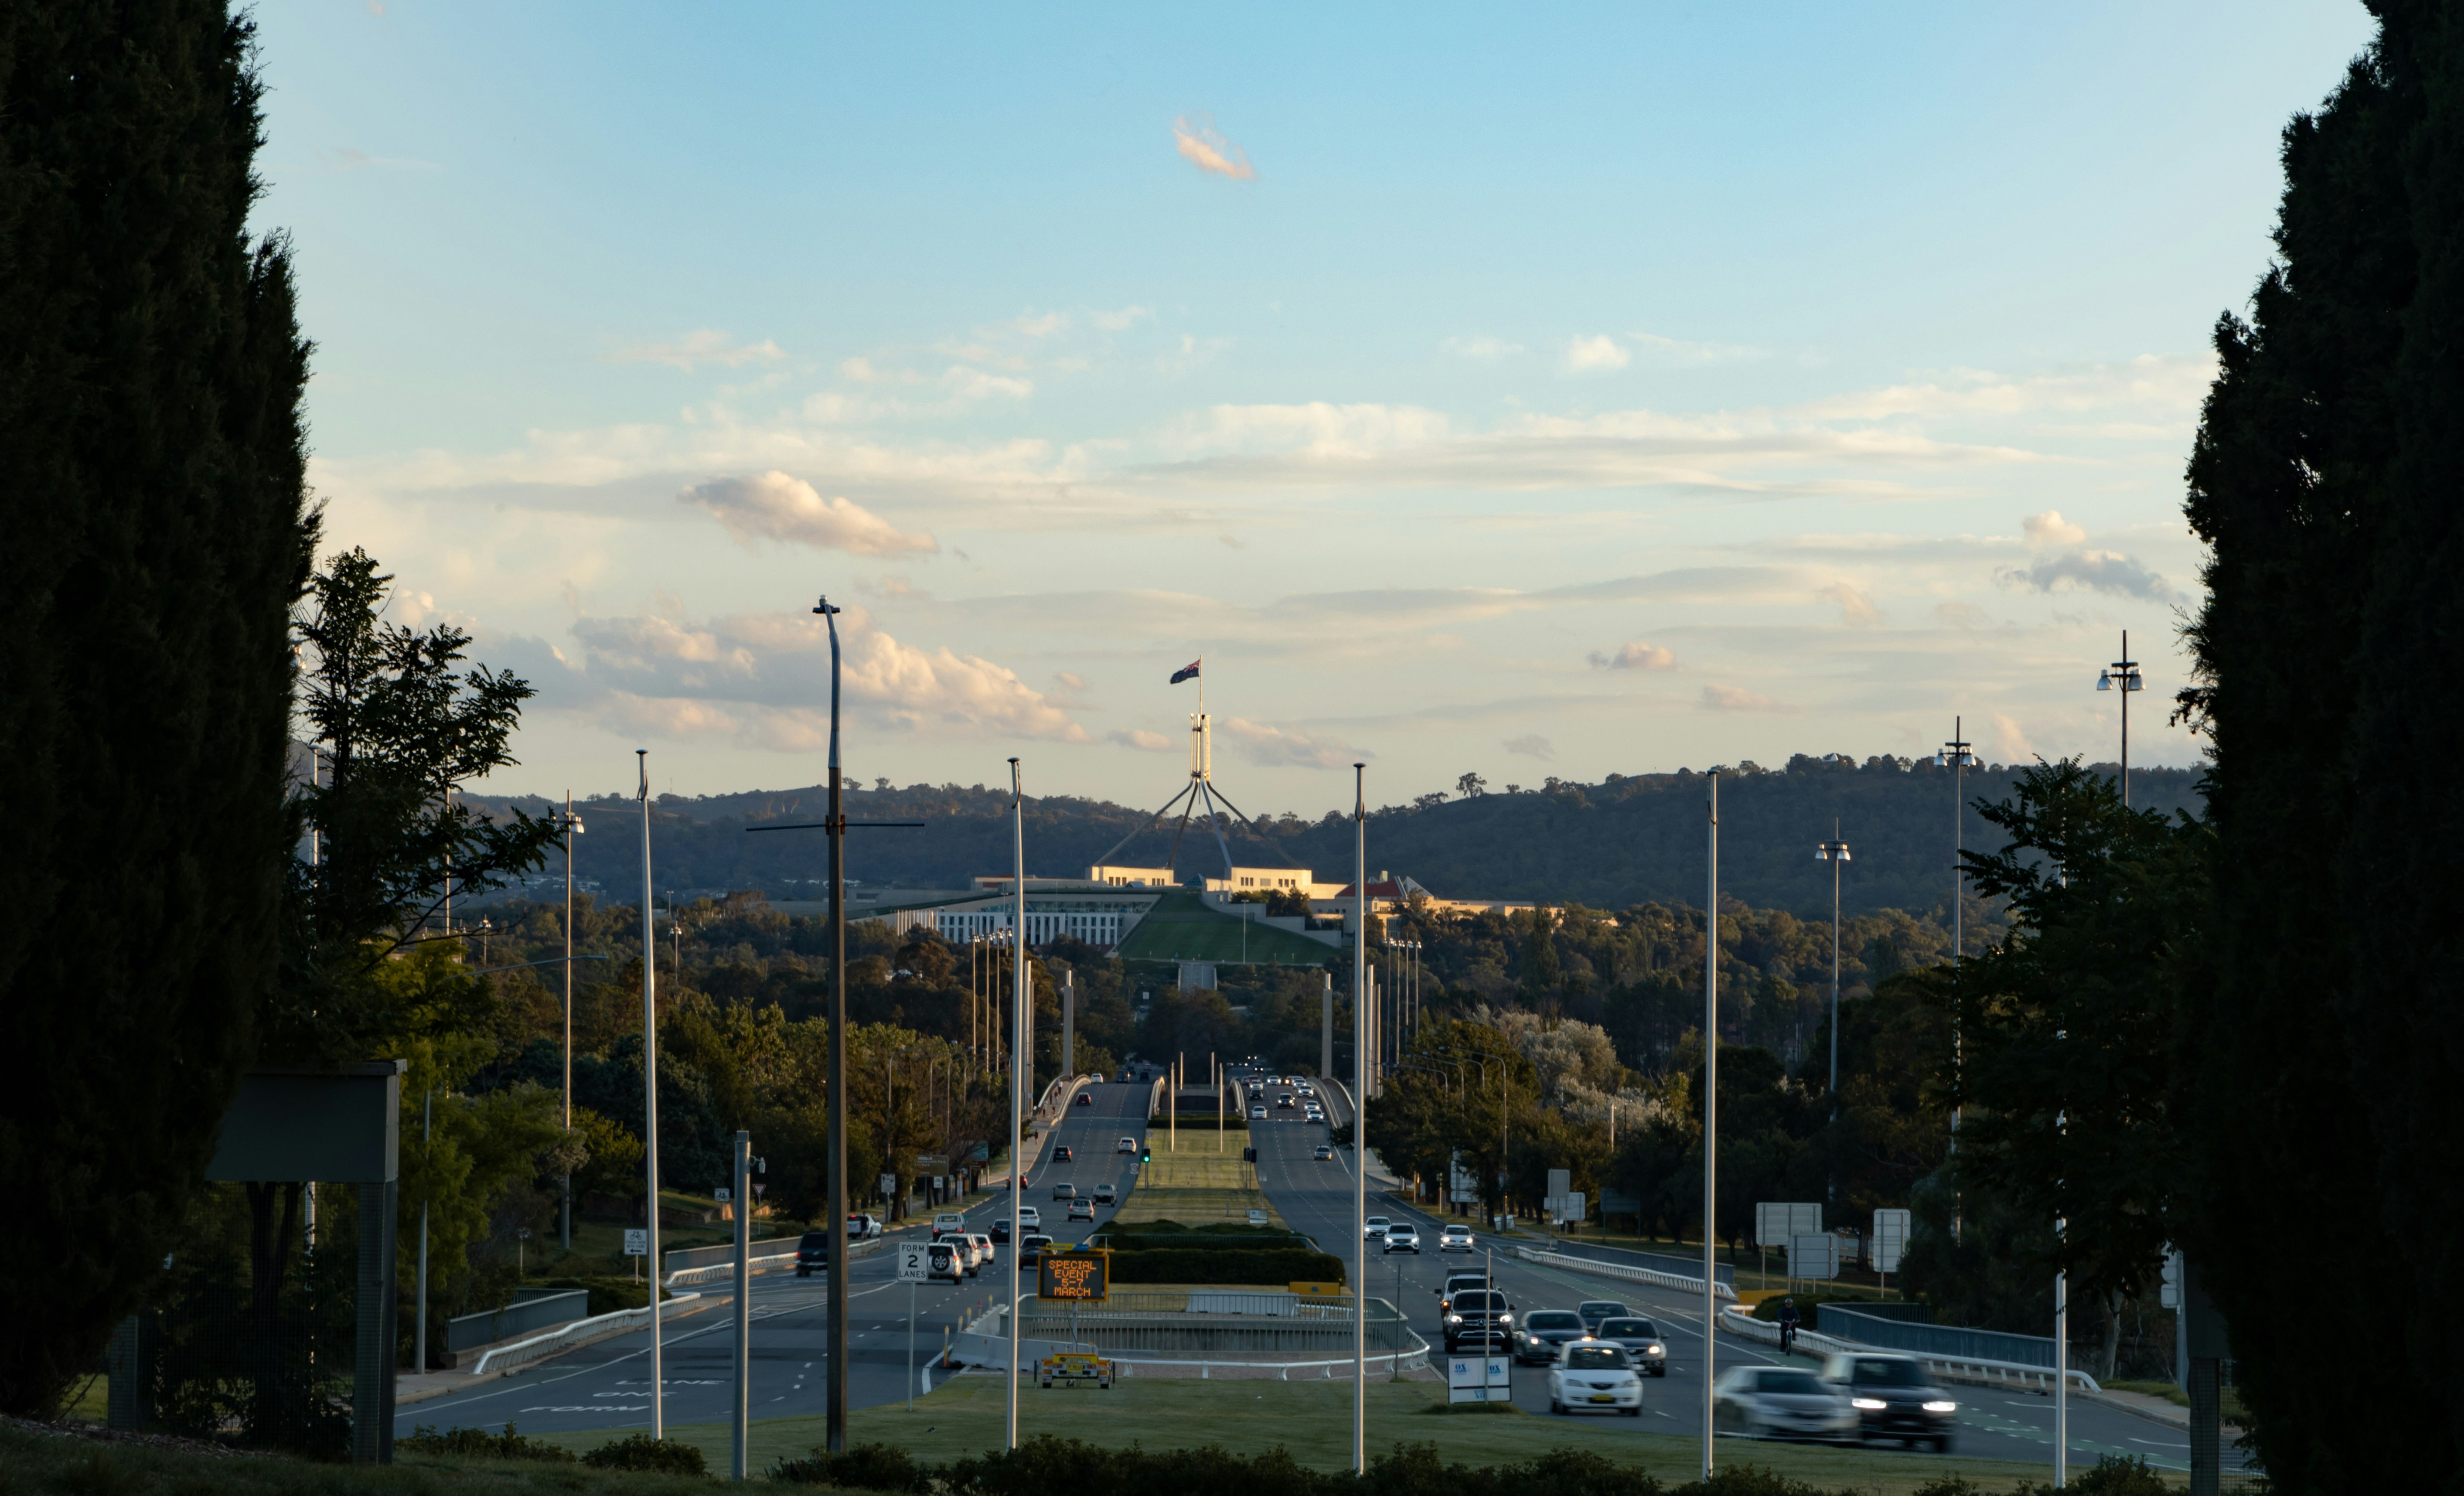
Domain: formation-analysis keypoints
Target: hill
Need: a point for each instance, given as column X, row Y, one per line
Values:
column 1626, row 840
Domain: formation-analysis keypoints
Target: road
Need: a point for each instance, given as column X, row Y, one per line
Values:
column 1316, row 1197
column 606, row 1386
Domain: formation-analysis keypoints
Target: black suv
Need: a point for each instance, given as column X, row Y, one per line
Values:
column 1478, row 1316
column 812, row 1253
column 1893, row 1399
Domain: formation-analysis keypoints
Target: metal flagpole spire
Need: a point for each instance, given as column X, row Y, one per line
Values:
column 650, row 1096
column 1019, row 1070
column 1710, row 1119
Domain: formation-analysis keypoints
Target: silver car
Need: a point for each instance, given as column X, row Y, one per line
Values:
column 1642, row 1341
column 1781, row 1403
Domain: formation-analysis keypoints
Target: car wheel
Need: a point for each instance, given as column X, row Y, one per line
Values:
column 1942, row 1443
column 1557, row 1409
column 1632, row 1413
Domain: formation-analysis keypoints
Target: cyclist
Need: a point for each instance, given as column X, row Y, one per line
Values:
column 1788, row 1321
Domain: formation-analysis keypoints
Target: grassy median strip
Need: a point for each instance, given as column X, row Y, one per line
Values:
column 1312, row 1420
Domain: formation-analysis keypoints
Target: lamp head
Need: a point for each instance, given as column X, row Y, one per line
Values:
column 2104, row 680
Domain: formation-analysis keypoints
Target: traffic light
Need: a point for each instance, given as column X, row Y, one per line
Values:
column 1248, row 1155
column 1145, row 1152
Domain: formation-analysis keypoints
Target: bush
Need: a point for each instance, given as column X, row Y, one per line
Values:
column 508, row 1445
column 641, row 1452
column 867, row 1467
column 608, row 1295
column 1225, row 1265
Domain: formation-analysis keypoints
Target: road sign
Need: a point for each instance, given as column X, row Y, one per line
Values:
column 890, row 1186
column 1560, row 1180
column 637, row 1242
column 1777, row 1223
column 1813, row 1254
column 721, row 1195
column 1890, row 1238
column 1074, row 1277
column 914, row 1260
column 1479, row 1379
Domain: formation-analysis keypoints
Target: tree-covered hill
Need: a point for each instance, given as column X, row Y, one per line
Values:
column 1625, row 841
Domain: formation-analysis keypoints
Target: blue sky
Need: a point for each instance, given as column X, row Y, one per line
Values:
column 1596, row 390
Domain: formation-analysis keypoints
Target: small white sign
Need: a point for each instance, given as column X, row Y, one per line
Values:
column 889, row 1186
column 721, row 1195
column 1479, row 1379
column 1890, row 1237
column 1777, row 1223
column 914, row 1262
column 637, row 1241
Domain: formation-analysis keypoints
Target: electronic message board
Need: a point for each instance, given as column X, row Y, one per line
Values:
column 1074, row 1277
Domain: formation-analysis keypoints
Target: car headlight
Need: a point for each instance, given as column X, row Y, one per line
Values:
column 1942, row 1407
column 1660, row 1350
column 1454, row 1319
column 1872, row 1404
column 1506, row 1319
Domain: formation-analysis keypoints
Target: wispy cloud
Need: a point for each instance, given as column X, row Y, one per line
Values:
column 977, row 384
column 708, row 346
column 1126, row 318
column 1271, row 747
column 776, row 506
column 1595, row 354
column 1635, row 655
column 1531, row 746
column 1481, row 346
column 1734, row 698
column 1139, row 738
column 2093, row 571
column 1855, row 609
column 2148, row 382
column 1203, row 147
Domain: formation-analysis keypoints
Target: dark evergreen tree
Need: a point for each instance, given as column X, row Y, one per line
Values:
column 151, row 469
column 2325, row 1036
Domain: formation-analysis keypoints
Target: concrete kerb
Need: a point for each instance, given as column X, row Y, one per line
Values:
column 583, row 1332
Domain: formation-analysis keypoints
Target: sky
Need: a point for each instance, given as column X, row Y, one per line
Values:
column 1515, row 391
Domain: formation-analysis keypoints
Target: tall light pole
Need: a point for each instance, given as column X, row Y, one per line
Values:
column 1363, row 1062
column 1956, row 757
column 650, row 1096
column 2123, row 672
column 571, row 825
column 1710, row 1119
column 1021, row 1065
column 834, row 820
column 1835, row 852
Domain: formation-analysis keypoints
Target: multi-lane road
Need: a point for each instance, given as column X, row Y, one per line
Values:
column 606, row 1386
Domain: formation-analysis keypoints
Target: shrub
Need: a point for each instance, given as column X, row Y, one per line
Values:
column 608, row 1295
column 507, row 1446
column 641, row 1452
column 1225, row 1265
column 866, row 1467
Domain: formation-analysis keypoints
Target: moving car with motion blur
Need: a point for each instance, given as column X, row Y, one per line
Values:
column 1895, row 1397
column 949, row 1223
column 1543, row 1331
column 1061, row 1153
column 1105, row 1195
column 1594, row 1376
column 1594, row 1310
column 982, row 1245
column 1643, row 1342
column 1065, row 1191
column 1780, row 1402
column 1322, row 1152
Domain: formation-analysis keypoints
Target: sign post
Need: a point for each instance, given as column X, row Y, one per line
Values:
column 914, row 1262
column 637, row 1243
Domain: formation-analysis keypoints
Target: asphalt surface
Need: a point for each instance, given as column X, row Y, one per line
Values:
column 608, row 1385
column 1317, row 1197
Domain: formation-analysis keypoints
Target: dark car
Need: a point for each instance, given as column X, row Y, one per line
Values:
column 1478, row 1316
column 1893, row 1399
column 1594, row 1310
column 1001, row 1230
column 1543, row 1331
column 1086, row 1098
column 1030, row 1252
column 812, row 1253
column 1641, row 1340
column 1060, row 1153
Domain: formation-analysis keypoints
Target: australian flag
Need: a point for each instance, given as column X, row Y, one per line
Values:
column 1188, row 672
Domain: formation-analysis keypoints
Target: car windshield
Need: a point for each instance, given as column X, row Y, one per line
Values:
column 1554, row 1319
column 1595, row 1358
column 1039, row 1241
column 1405, row 1228
column 812, row 1238
column 1600, row 1309
column 1793, row 1382
column 1880, row 1372
column 1478, row 1299
column 1628, row 1329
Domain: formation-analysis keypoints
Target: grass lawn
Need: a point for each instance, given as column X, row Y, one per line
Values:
column 32, row 1461
column 1314, row 1420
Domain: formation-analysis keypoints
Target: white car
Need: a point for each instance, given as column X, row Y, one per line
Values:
column 1781, row 1403
column 982, row 1245
column 949, row 1223
column 1455, row 1239
column 1375, row 1226
column 1592, row 1376
column 1256, row 1113
column 1029, row 1219
column 1127, row 1145
column 1403, row 1237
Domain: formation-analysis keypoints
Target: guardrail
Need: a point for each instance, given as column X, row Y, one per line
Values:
column 684, row 1257
column 1652, row 1276
column 1976, row 1371
column 582, row 1332
column 720, row 1272
column 1674, row 1265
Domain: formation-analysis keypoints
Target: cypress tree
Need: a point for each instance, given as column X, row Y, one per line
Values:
column 151, row 464
column 2327, row 1035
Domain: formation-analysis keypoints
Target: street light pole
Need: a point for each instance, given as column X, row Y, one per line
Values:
column 2125, row 673
column 650, row 1097
column 1710, row 1119
column 835, row 1351
column 571, row 824
column 1363, row 1061
column 1835, row 852
column 1955, row 756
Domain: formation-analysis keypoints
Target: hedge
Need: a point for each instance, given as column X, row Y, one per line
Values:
column 1192, row 1264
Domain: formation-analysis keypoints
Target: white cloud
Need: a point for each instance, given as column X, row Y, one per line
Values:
column 709, row 345
column 1126, row 318
column 2095, row 571
column 1962, row 615
column 975, row 385
column 1531, row 745
column 1855, row 609
column 1732, row 698
column 2050, row 528
column 2009, row 744
column 2147, row 383
column 1139, row 738
column 1481, row 346
column 1635, row 655
column 776, row 506
column 1203, row 147
column 1595, row 353
column 1274, row 747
